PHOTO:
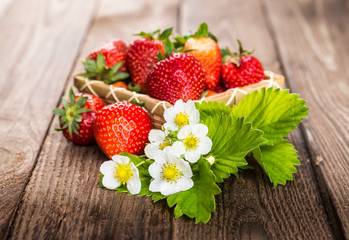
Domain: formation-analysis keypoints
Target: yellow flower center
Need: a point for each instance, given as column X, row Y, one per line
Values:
column 166, row 143
column 170, row 172
column 123, row 173
column 181, row 119
column 191, row 142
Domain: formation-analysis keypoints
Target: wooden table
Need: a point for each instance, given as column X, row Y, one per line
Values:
column 48, row 186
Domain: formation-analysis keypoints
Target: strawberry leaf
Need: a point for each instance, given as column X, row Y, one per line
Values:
column 274, row 112
column 277, row 161
column 232, row 139
column 165, row 34
column 199, row 201
column 168, row 46
column 208, row 109
column 213, row 37
column 100, row 62
column 202, row 31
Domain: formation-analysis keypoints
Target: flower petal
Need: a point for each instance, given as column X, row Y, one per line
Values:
column 109, row 181
column 184, row 168
column 205, row 145
column 184, row 132
column 134, row 185
column 155, row 170
column 168, row 188
column 107, row 166
column 160, row 157
column 156, row 136
column 192, row 156
column 184, row 184
column 178, row 148
column 121, row 159
column 150, row 150
column 156, row 185
column 199, row 130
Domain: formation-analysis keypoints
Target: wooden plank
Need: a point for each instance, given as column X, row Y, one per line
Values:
column 38, row 47
column 315, row 53
column 62, row 200
column 251, row 207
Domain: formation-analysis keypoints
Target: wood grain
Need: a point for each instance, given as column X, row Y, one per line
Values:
column 251, row 207
column 62, row 200
column 315, row 52
column 38, row 47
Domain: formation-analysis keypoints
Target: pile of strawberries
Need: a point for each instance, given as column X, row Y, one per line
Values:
column 169, row 70
column 188, row 67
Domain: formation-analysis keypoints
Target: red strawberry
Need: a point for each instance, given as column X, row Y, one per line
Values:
column 180, row 76
column 220, row 87
column 241, row 69
column 114, row 51
column 76, row 117
column 142, row 55
column 207, row 51
column 122, row 127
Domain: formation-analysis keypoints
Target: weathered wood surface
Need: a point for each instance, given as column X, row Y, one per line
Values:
column 315, row 53
column 62, row 200
column 38, row 45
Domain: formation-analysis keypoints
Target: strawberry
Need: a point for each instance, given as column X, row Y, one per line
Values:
column 122, row 127
column 76, row 117
column 207, row 51
column 220, row 87
column 107, row 63
column 142, row 55
column 241, row 69
column 180, row 76
column 120, row 85
column 114, row 51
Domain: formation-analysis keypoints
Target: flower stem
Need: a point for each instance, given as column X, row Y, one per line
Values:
column 141, row 163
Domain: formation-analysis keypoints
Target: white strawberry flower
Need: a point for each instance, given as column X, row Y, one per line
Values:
column 120, row 170
column 193, row 142
column 158, row 142
column 181, row 114
column 171, row 174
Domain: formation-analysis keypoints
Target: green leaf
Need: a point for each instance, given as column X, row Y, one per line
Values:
column 274, row 112
column 166, row 34
column 116, row 67
column 120, row 76
column 81, row 101
column 202, row 31
column 135, row 88
column 84, row 110
column 225, row 52
column 90, row 65
column 168, row 46
column 277, row 161
column 232, row 139
column 100, row 62
column 59, row 112
column 157, row 196
column 213, row 37
column 71, row 96
column 198, row 202
column 207, row 109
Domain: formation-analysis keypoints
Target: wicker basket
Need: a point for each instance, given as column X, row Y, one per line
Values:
column 155, row 107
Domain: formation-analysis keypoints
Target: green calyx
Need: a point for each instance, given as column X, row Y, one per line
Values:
column 234, row 57
column 160, row 35
column 202, row 32
column 96, row 69
column 70, row 115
